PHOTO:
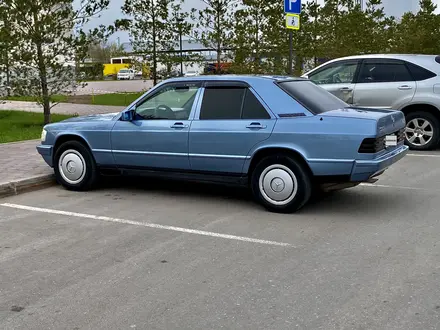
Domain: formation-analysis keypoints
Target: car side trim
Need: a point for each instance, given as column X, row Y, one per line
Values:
column 171, row 154
column 219, row 156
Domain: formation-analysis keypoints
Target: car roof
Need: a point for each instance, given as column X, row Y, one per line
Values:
column 391, row 56
column 232, row 77
column 428, row 61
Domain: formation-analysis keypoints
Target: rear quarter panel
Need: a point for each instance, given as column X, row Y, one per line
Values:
column 329, row 145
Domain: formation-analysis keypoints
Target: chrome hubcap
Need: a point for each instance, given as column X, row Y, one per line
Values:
column 72, row 166
column 419, row 132
column 278, row 185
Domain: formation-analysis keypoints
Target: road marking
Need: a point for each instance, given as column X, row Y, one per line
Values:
column 144, row 224
column 422, row 155
column 395, row 187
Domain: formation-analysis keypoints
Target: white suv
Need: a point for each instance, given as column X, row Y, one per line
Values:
column 409, row 83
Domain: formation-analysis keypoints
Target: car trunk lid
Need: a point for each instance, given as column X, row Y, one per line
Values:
column 388, row 121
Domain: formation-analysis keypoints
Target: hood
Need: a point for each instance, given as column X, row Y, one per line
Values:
column 97, row 117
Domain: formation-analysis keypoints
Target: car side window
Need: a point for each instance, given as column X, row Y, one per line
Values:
column 337, row 73
column 231, row 103
column 173, row 101
column 378, row 72
column 252, row 107
column 222, row 103
column 418, row 73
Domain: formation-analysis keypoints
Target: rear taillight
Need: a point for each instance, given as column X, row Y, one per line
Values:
column 372, row 145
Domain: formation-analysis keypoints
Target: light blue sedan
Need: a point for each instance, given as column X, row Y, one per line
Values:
column 282, row 137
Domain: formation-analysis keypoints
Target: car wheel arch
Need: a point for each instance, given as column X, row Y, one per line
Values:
column 66, row 138
column 268, row 151
column 426, row 107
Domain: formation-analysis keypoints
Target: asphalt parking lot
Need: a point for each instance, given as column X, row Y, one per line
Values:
column 166, row 255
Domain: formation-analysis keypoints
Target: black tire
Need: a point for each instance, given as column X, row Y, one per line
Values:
column 435, row 131
column 88, row 179
column 296, row 200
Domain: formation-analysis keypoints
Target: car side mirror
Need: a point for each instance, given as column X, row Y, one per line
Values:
column 128, row 115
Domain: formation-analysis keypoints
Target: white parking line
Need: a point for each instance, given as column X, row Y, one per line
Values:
column 396, row 187
column 423, row 155
column 144, row 224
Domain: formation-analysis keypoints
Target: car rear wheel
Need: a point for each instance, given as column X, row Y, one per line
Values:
column 75, row 167
column 281, row 184
column 422, row 131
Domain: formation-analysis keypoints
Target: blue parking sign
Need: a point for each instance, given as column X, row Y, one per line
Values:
column 292, row 6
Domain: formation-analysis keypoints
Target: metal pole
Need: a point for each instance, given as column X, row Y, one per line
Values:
column 181, row 54
column 289, row 69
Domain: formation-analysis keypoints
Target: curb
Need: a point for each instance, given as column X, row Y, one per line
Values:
column 25, row 185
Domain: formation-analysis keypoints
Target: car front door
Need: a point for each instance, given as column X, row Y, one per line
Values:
column 384, row 83
column 337, row 78
column 230, row 120
column 157, row 137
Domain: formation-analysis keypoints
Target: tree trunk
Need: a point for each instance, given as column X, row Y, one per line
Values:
column 219, row 42
column 44, row 86
column 8, row 74
column 153, row 16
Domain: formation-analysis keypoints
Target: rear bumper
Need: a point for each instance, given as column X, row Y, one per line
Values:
column 363, row 170
column 46, row 152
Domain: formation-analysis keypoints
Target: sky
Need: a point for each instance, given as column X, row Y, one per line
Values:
column 392, row 7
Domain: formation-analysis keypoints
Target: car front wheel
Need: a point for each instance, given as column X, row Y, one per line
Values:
column 75, row 167
column 422, row 131
column 281, row 184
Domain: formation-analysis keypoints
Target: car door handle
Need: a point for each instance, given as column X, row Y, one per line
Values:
column 179, row 125
column 256, row 125
column 404, row 87
column 346, row 89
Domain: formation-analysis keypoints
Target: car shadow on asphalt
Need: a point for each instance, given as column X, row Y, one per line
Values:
column 372, row 201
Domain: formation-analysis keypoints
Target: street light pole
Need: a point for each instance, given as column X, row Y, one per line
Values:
column 180, row 22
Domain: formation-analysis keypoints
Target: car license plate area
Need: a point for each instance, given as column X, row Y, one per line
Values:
column 390, row 140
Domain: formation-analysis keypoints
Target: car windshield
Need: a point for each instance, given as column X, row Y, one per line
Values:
column 123, row 71
column 316, row 99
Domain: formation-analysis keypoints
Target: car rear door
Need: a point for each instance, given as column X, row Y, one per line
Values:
column 383, row 83
column 337, row 78
column 230, row 120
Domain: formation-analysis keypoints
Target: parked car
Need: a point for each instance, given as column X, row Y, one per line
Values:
column 281, row 137
column 126, row 74
column 409, row 83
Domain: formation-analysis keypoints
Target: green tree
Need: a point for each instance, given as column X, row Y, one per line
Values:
column 418, row 33
column 101, row 51
column 7, row 42
column 50, row 40
column 214, row 25
column 151, row 29
column 345, row 29
column 179, row 27
column 251, row 43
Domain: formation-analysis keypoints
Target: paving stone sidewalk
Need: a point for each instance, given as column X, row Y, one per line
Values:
column 61, row 108
column 21, row 167
column 20, row 160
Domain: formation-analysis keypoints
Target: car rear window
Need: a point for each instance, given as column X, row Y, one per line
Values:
column 313, row 97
